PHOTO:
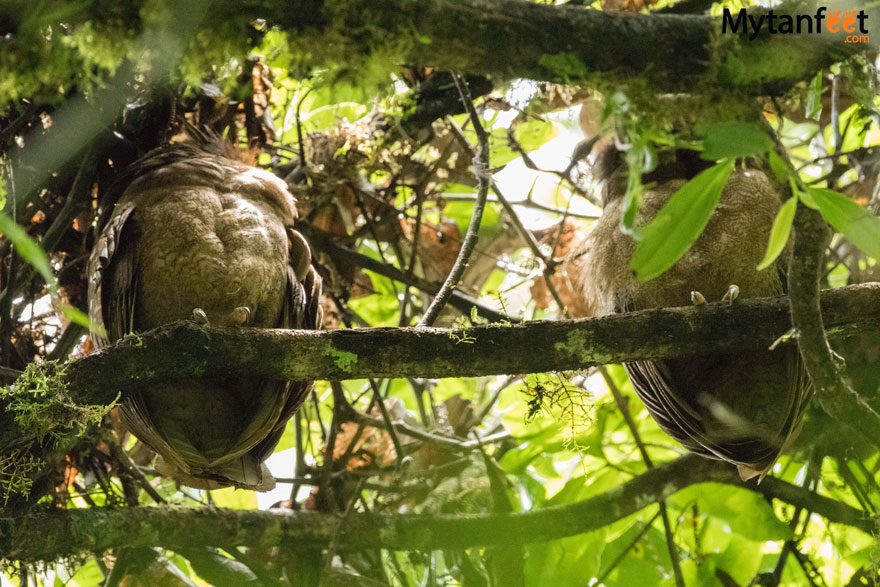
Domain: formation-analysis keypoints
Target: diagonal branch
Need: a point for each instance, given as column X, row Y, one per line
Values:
column 834, row 393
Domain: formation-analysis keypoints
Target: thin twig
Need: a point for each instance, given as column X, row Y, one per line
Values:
column 386, row 417
column 626, row 550
column 410, row 267
column 547, row 263
column 481, row 165
column 564, row 175
column 322, row 242
column 463, row 197
column 623, row 406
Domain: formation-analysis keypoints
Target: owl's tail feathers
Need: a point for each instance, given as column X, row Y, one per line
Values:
column 244, row 472
column 747, row 472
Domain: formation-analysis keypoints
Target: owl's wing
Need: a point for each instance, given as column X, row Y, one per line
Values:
column 113, row 277
column 112, row 309
column 302, row 310
column 671, row 397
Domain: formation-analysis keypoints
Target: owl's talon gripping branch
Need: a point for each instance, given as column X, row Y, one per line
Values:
column 241, row 316
column 697, row 298
column 731, row 295
column 199, row 317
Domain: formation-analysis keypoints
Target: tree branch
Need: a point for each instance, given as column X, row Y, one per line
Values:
column 511, row 38
column 834, row 393
column 58, row 533
column 469, row 243
column 189, row 350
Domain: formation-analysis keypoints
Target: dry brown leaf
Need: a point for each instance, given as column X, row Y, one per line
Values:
column 564, row 278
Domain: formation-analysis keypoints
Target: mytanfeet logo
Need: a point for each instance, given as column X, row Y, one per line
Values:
column 851, row 23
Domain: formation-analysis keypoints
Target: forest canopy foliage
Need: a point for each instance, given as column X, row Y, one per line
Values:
column 373, row 113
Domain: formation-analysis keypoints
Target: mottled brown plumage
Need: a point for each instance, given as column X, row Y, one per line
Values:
column 194, row 229
column 743, row 406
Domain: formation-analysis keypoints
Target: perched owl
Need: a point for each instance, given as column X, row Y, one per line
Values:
column 197, row 233
column 740, row 406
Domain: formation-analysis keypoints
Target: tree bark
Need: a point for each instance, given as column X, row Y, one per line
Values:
column 58, row 533
column 189, row 350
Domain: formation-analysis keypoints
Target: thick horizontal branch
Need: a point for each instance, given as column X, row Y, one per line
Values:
column 50, row 535
column 189, row 350
column 512, row 38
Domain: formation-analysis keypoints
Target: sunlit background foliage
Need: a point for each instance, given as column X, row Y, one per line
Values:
column 374, row 179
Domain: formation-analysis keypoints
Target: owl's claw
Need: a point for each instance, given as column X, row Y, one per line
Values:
column 242, row 315
column 200, row 317
column 697, row 298
column 731, row 295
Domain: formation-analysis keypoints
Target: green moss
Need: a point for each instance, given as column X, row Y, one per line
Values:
column 40, row 404
column 581, row 344
column 16, row 474
column 564, row 66
column 343, row 359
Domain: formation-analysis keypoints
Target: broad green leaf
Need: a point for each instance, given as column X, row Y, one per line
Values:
column 854, row 123
column 532, row 134
column 742, row 557
column 779, row 232
column 88, row 574
column 727, row 503
column 679, row 223
column 855, row 222
column 231, row 497
column 735, row 139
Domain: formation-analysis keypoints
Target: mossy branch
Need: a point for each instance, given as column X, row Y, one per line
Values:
column 50, row 535
column 46, row 421
column 92, row 384
column 504, row 38
column 190, row 350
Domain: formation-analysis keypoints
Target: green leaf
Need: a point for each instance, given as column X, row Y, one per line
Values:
column 726, row 504
column 27, row 248
column 805, row 197
column 814, row 97
column 533, row 134
column 779, row 232
column 78, row 317
column 212, row 566
column 778, row 166
column 855, row 222
column 735, row 139
column 679, row 223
